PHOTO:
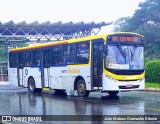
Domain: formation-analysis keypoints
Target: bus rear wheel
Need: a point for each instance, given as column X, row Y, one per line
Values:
column 81, row 89
column 113, row 93
column 32, row 87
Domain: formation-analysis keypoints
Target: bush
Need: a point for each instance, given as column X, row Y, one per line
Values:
column 153, row 71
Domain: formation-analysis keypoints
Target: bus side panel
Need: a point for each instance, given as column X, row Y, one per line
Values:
column 85, row 72
column 73, row 72
column 64, row 77
column 46, row 77
column 12, row 74
column 56, row 74
column 56, row 83
column 34, row 72
column 68, row 82
column 21, row 77
column 25, row 76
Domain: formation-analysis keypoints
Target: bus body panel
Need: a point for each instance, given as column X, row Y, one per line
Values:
column 21, row 77
column 46, row 77
column 25, row 76
column 64, row 77
column 67, row 80
column 35, row 73
column 12, row 73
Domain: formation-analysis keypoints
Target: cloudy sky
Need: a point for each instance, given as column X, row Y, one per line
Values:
column 66, row 10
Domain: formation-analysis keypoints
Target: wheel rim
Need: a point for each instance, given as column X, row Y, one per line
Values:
column 81, row 88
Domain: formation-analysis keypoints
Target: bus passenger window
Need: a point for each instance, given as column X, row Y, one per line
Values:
column 57, row 55
column 82, row 56
column 70, row 59
column 35, row 58
column 13, row 60
column 69, row 54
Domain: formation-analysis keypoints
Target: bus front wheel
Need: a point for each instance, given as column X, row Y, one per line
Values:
column 81, row 89
column 32, row 87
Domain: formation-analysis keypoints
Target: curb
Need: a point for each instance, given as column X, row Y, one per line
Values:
column 152, row 89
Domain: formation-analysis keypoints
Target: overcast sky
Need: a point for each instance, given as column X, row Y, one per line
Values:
column 66, row 10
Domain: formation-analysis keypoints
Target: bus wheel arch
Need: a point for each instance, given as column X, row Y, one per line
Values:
column 80, row 86
column 32, row 86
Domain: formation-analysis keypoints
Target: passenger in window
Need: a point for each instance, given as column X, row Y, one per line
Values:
column 27, row 64
column 65, row 60
column 38, row 62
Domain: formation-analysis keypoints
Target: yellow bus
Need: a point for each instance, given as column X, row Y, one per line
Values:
column 107, row 63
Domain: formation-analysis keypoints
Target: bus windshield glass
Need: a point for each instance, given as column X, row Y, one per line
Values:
column 121, row 56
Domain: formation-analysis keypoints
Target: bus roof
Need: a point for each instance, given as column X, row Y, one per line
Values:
column 126, row 33
column 55, row 43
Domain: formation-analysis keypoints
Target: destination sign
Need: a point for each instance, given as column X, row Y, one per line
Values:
column 124, row 38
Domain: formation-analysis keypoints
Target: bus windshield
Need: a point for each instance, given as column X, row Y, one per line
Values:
column 124, row 57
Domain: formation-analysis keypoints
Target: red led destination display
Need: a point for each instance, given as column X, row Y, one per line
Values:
column 124, row 38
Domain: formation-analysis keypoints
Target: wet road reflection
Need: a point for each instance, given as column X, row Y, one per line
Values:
column 128, row 103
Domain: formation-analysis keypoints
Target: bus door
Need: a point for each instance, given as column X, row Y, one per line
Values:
column 21, row 69
column 45, row 68
column 13, row 69
column 97, row 62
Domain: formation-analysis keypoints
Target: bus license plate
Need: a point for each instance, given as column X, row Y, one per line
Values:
column 129, row 85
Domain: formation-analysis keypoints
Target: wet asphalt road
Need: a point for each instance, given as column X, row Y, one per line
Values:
column 15, row 101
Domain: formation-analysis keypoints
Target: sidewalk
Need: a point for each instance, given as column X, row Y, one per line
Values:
column 5, row 86
column 152, row 89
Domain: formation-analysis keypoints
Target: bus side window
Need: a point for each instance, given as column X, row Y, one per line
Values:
column 13, row 60
column 21, row 60
column 69, row 53
column 27, row 58
column 57, row 56
column 82, row 54
column 35, row 58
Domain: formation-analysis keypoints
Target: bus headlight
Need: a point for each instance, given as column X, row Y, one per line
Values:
column 141, row 79
column 110, row 78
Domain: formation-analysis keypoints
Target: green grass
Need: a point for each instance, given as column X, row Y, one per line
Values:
column 153, row 85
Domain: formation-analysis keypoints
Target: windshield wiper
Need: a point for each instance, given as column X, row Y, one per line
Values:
column 122, row 52
column 133, row 52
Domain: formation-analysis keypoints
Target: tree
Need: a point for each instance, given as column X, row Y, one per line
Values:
column 4, row 45
column 146, row 21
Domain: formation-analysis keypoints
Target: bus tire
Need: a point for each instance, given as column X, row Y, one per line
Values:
column 32, row 87
column 113, row 93
column 81, row 88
